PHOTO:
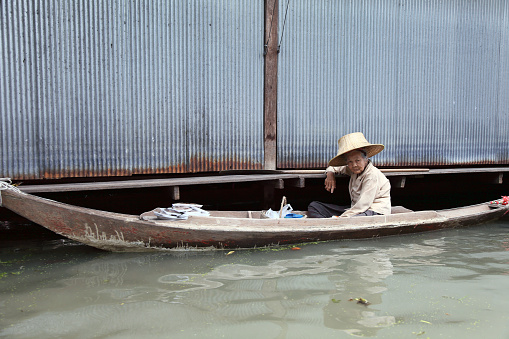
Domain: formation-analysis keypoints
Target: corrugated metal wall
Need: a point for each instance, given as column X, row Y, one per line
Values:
column 429, row 79
column 93, row 88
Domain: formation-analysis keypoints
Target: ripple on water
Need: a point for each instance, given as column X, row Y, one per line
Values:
column 441, row 284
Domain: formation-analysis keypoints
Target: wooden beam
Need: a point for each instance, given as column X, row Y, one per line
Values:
column 496, row 173
column 175, row 192
column 499, row 178
column 279, row 184
column 299, row 182
column 468, row 170
column 383, row 170
column 145, row 183
column 270, row 85
column 398, row 182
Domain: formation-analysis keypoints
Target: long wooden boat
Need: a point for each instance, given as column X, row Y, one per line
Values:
column 226, row 229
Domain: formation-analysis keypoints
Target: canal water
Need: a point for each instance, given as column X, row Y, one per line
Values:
column 443, row 284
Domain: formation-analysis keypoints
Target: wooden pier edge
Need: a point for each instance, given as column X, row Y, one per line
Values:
column 293, row 178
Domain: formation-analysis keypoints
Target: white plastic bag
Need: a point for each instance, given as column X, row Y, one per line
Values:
column 281, row 214
column 285, row 210
column 271, row 214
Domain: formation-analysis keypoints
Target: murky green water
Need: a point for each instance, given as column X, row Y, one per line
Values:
column 445, row 284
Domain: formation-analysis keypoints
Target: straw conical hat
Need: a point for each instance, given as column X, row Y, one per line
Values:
column 354, row 141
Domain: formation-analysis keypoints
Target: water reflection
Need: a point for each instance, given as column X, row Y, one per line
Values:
column 271, row 294
column 281, row 289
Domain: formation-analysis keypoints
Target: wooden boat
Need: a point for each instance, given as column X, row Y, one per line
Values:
column 227, row 229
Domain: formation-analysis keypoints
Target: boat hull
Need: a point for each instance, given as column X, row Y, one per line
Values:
column 121, row 232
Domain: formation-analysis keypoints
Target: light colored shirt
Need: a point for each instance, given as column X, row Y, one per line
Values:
column 369, row 190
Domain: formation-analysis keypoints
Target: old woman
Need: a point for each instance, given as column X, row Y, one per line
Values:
column 369, row 188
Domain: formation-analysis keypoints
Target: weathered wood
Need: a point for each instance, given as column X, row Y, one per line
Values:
column 299, row 182
column 468, row 170
column 391, row 170
column 491, row 178
column 384, row 170
column 175, row 192
column 220, row 179
column 398, row 182
column 499, row 178
column 122, row 232
column 414, row 171
column 145, row 183
column 270, row 85
column 279, row 184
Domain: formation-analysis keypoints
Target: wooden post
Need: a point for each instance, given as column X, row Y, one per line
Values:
column 398, row 182
column 499, row 178
column 299, row 182
column 270, row 85
column 279, row 184
column 175, row 192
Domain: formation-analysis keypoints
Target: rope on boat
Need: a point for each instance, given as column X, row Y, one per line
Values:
column 6, row 184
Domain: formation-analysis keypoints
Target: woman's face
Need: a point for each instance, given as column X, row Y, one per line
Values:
column 356, row 162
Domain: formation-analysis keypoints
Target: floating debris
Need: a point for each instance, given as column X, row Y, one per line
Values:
column 361, row 301
column 336, row 301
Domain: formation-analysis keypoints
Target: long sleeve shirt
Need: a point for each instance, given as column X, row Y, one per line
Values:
column 369, row 190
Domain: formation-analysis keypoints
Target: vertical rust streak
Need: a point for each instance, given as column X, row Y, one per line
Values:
column 270, row 85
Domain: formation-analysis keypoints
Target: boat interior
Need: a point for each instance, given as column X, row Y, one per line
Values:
column 257, row 214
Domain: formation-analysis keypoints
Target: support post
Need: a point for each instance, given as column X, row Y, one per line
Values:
column 175, row 193
column 499, row 178
column 398, row 182
column 270, row 85
column 279, row 184
column 300, row 182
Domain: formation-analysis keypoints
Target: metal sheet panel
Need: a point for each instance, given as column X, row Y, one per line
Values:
column 96, row 88
column 429, row 79
column 18, row 100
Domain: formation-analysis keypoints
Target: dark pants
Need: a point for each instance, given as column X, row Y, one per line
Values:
column 318, row 209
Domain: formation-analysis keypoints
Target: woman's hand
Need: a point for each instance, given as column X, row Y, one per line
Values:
column 330, row 182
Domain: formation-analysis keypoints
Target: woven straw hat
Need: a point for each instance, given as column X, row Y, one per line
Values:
column 354, row 141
